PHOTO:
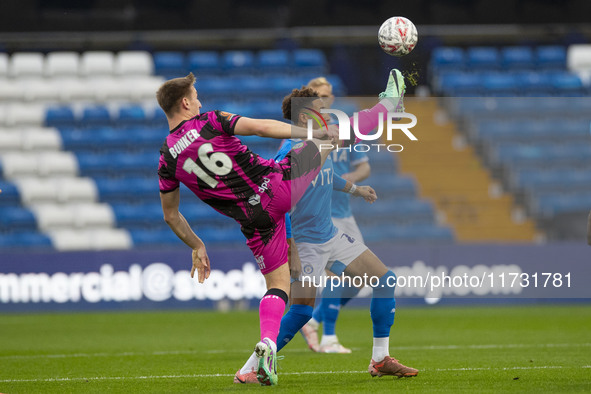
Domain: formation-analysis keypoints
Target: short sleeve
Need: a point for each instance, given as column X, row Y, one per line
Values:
column 357, row 158
column 167, row 181
column 223, row 121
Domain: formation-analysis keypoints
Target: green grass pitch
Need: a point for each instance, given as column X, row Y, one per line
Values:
column 542, row 348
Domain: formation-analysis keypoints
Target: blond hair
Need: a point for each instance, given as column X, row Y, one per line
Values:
column 317, row 82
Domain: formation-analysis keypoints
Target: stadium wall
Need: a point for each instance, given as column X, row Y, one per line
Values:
column 160, row 279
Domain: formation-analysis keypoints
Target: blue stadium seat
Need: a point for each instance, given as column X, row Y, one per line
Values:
column 392, row 187
column 483, row 58
column 10, row 195
column 418, row 233
column 567, row 83
column 312, row 60
column 136, row 190
column 17, row 218
column 275, row 60
column 238, row 61
column 215, row 87
column 499, row 84
column 252, row 86
column 542, row 154
column 154, row 238
column 513, row 58
column 25, row 239
column 551, row 57
column 97, row 115
column 554, row 180
column 554, row 204
column 138, row 215
column 408, row 211
column 461, row 84
column 447, row 58
column 201, row 62
column 60, row 116
column 533, row 83
column 131, row 114
column 170, row 64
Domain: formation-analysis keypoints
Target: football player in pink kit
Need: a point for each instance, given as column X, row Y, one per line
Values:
column 203, row 153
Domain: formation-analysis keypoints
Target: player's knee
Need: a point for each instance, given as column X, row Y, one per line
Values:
column 385, row 286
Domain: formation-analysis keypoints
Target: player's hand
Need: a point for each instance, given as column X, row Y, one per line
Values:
column 200, row 264
column 367, row 193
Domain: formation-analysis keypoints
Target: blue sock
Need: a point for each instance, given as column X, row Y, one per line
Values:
column 383, row 306
column 317, row 314
column 348, row 294
column 292, row 321
column 332, row 299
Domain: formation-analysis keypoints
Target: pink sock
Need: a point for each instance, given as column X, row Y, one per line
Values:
column 271, row 311
column 369, row 118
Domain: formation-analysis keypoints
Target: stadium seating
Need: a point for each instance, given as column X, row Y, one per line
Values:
column 80, row 135
column 530, row 123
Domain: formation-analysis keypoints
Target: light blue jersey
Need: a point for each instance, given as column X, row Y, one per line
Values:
column 311, row 217
column 343, row 162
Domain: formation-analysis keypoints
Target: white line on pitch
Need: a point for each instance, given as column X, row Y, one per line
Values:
column 220, row 351
column 221, row 375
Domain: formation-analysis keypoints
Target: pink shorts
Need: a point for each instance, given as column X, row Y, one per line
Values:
column 267, row 231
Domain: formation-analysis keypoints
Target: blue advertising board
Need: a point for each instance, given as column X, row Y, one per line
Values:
column 157, row 279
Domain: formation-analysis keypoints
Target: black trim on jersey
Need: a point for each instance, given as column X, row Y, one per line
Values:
column 183, row 122
column 168, row 191
column 208, row 132
column 169, row 170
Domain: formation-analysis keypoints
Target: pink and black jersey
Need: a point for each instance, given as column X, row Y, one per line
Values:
column 205, row 156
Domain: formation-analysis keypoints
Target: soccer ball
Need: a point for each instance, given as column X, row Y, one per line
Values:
column 398, row 36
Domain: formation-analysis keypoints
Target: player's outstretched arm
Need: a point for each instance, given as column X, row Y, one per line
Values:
column 361, row 172
column 177, row 222
column 270, row 128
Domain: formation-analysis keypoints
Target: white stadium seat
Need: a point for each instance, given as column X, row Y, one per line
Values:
column 3, row 65
column 44, row 164
column 93, row 215
column 143, row 88
column 11, row 91
column 578, row 59
column 47, row 139
column 134, row 63
column 37, row 191
column 31, row 114
column 39, row 89
column 77, row 190
column 10, row 140
column 104, row 239
column 69, row 240
column 93, row 63
column 16, row 165
column 74, row 89
column 62, row 64
column 26, row 64
column 51, row 216
column 57, row 164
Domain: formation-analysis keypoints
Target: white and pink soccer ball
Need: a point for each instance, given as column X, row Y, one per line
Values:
column 398, row 36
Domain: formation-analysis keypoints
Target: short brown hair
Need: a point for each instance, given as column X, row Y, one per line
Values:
column 289, row 108
column 172, row 92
